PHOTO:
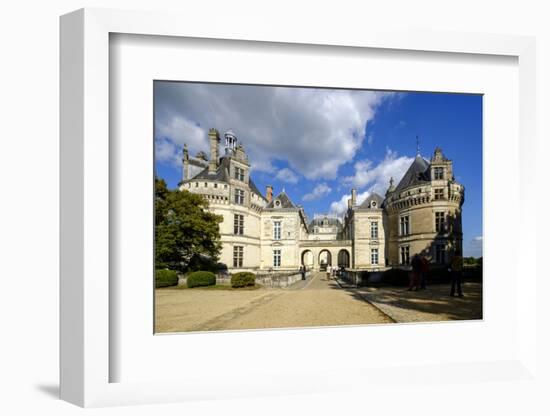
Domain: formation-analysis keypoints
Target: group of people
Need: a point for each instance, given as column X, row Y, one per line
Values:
column 331, row 271
column 420, row 267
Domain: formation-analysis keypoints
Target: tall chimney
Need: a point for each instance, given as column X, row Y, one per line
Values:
column 185, row 162
column 349, row 203
column 214, row 137
column 269, row 193
column 353, row 197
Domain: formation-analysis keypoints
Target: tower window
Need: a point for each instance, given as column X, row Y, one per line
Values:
column 405, row 257
column 438, row 173
column 239, row 196
column 404, row 225
column 238, row 224
column 239, row 174
column 438, row 194
column 238, row 256
column 440, row 253
column 439, row 221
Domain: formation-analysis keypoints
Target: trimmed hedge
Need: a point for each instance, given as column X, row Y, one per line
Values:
column 165, row 278
column 201, row 278
column 243, row 279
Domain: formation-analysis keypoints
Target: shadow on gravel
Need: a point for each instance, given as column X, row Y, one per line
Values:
column 434, row 300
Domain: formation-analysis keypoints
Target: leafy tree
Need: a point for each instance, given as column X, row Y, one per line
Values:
column 184, row 229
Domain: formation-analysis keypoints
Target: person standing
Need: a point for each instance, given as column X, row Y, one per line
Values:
column 424, row 272
column 414, row 281
column 456, row 275
column 303, row 272
column 329, row 271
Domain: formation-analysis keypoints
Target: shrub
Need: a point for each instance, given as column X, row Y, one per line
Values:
column 201, row 278
column 165, row 278
column 243, row 279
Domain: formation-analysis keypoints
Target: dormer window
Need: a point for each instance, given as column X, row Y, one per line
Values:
column 373, row 204
column 277, row 203
column 239, row 174
column 438, row 173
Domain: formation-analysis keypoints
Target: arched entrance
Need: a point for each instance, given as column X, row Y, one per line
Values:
column 307, row 259
column 325, row 259
column 343, row 258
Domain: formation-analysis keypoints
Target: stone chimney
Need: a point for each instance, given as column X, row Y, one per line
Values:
column 269, row 193
column 353, row 197
column 185, row 162
column 349, row 203
column 214, row 137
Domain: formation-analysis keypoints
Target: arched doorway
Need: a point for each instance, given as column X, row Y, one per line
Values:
column 325, row 259
column 307, row 259
column 343, row 258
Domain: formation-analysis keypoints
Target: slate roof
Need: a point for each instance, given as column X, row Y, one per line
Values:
column 372, row 197
column 417, row 174
column 330, row 222
column 285, row 201
column 222, row 175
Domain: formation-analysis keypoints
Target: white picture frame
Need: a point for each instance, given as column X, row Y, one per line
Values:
column 86, row 356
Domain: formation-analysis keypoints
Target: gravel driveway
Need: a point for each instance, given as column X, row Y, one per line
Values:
column 316, row 302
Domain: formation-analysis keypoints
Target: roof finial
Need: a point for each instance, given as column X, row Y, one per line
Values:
column 417, row 146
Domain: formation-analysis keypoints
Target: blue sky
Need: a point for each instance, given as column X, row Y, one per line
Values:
column 317, row 144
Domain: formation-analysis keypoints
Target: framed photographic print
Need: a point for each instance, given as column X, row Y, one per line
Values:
column 253, row 203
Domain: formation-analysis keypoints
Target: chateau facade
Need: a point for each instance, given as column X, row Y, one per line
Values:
column 422, row 214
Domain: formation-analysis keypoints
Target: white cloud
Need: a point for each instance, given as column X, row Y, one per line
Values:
column 340, row 207
column 314, row 130
column 376, row 177
column 373, row 177
column 286, row 175
column 172, row 134
column 318, row 192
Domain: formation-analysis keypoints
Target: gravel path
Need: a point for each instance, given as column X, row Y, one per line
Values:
column 316, row 302
column 432, row 304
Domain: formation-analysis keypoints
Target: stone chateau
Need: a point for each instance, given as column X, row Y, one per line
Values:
column 421, row 214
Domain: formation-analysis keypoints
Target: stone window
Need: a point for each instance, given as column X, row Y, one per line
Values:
column 439, row 173
column 215, row 185
column 196, row 184
column 238, row 256
column 374, row 256
column 405, row 254
column 206, row 184
column 440, row 253
column 438, row 193
column 404, row 225
column 239, row 174
column 277, row 230
column 276, row 258
column 439, row 222
column 238, row 224
column 374, row 229
column 239, row 196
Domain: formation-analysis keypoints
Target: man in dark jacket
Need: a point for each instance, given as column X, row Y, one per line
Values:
column 456, row 274
column 414, row 281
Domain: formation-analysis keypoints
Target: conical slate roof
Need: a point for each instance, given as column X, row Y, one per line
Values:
column 418, row 173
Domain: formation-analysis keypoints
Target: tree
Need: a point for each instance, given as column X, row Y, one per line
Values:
column 185, row 230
